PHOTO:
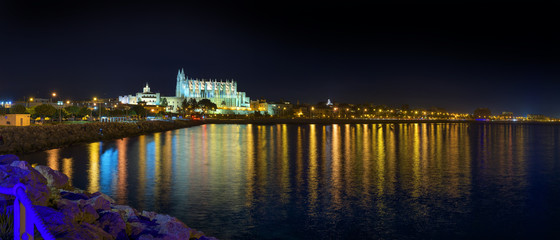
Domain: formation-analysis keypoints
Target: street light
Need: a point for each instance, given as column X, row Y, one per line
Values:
column 100, row 109
column 94, row 104
column 312, row 109
column 59, row 110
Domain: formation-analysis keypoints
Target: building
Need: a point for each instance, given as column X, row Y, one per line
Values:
column 506, row 116
column 282, row 108
column 259, row 105
column 15, row 120
column 537, row 117
column 5, row 104
column 223, row 93
column 146, row 96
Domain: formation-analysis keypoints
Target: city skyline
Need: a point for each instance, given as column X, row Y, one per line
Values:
column 456, row 57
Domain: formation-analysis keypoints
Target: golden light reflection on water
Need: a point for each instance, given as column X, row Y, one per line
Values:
column 93, row 171
column 299, row 157
column 67, row 168
column 380, row 160
column 53, row 157
column 312, row 180
column 250, row 176
column 121, row 194
column 285, row 158
column 336, row 171
column 158, row 184
column 142, row 145
column 323, row 169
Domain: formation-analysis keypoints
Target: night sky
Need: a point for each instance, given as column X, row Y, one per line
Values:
column 459, row 57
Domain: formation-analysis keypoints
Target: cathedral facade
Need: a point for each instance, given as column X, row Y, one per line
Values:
column 222, row 93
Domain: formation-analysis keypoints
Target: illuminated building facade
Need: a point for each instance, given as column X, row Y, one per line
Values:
column 222, row 93
column 150, row 98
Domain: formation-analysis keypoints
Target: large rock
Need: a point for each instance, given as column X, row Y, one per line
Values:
column 112, row 223
column 70, row 209
column 86, row 231
column 73, row 195
column 171, row 227
column 126, row 212
column 55, row 221
column 54, row 178
column 22, row 172
column 99, row 203
column 141, row 226
column 77, row 211
column 8, row 159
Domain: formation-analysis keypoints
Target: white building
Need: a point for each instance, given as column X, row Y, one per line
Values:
column 146, row 96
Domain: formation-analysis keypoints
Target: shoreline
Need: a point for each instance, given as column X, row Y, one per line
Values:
column 357, row 121
column 30, row 139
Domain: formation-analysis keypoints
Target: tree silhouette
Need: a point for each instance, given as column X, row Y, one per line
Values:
column 164, row 102
column 18, row 109
column 74, row 110
column 482, row 113
column 45, row 110
column 206, row 104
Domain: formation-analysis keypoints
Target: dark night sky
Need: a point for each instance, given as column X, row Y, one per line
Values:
column 505, row 57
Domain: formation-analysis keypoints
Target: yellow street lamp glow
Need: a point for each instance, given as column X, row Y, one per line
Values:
column 67, row 102
column 94, row 99
column 54, row 94
column 31, row 99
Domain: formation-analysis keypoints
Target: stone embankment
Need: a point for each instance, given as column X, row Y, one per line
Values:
column 71, row 213
column 36, row 138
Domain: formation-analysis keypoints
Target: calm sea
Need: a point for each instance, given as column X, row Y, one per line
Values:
column 346, row 181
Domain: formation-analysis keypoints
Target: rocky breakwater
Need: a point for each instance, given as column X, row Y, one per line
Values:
column 71, row 213
column 37, row 138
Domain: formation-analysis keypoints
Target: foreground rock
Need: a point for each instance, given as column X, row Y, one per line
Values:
column 71, row 213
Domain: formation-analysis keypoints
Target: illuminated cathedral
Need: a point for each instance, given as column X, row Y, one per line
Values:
column 222, row 93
